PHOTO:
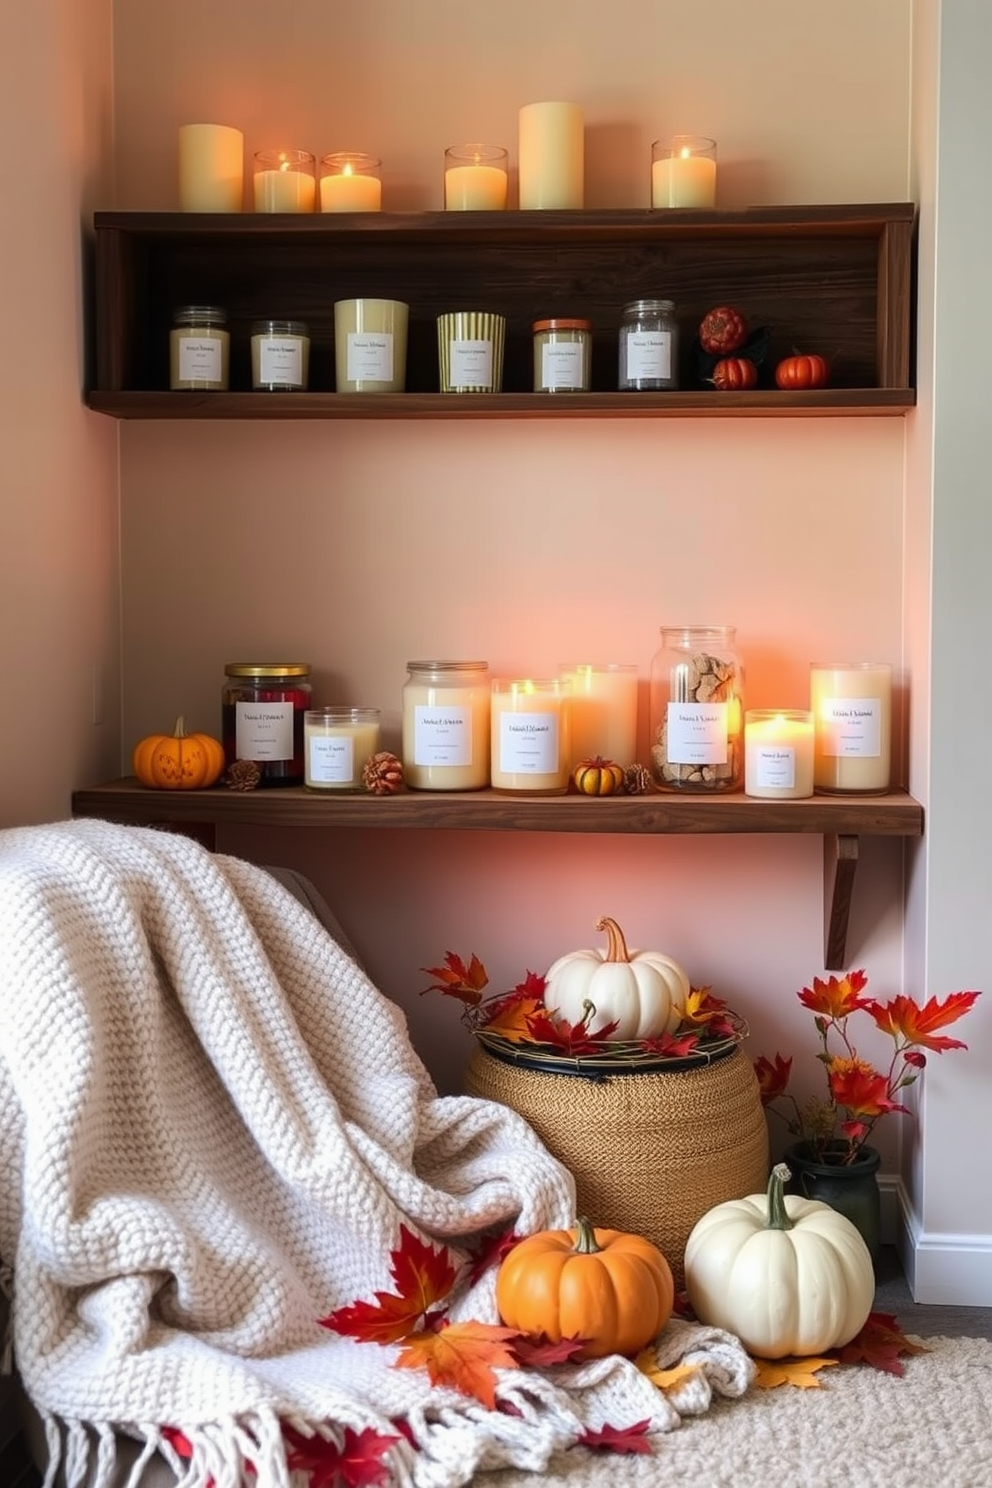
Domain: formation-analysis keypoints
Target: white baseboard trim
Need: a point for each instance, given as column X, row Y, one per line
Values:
column 940, row 1267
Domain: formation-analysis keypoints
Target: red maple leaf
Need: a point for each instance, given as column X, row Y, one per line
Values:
column 617, row 1438
column 674, row 1045
column 357, row 1462
column 880, row 1344
column 536, row 1351
column 570, row 1038
column 683, row 1308
column 490, row 1250
column 903, row 1019
column 455, row 979
column 423, row 1276
column 531, row 989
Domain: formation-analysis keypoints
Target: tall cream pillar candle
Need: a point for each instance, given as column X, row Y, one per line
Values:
column 551, row 156
column 530, row 735
column 852, row 712
column 211, row 168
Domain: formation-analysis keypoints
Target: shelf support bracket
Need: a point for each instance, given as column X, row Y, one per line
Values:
column 840, row 863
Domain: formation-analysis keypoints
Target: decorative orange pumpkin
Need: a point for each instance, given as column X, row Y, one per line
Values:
column 598, row 777
column 613, row 1290
column 178, row 761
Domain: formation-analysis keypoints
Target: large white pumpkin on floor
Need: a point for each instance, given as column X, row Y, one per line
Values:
column 643, row 992
column 788, row 1275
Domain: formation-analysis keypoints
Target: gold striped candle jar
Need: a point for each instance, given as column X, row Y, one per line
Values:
column 470, row 351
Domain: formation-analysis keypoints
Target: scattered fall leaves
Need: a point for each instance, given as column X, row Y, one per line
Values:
column 462, row 1355
column 880, row 1344
column 665, row 1379
column 357, row 1463
column 800, row 1372
column 617, row 1439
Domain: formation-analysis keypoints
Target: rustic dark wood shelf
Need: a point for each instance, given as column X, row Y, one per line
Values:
column 840, row 820
column 836, row 279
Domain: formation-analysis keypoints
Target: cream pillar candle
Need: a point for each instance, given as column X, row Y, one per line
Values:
column 370, row 345
column 338, row 743
column 683, row 172
column 284, row 181
column 603, row 711
column 350, row 183
column 778, row 753
column 475, row 178
column 551, row 156
column 852, row 712
column 211, row 168
column 530, row 735
column 446, row 725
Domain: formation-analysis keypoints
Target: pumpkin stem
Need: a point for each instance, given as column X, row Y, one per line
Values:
column 616, row 948
column 585, row 1238
column 778, row 1216
column 179, row 732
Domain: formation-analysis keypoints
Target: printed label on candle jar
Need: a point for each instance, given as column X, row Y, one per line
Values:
column 562, row 365
column 280, row 359
column 697, row 734
column 370, row 357
column 200, row 360
column 775, row 767
column 528, row 743
column 471, row 363
column 332, row 758
column 851, row 727
column 649, row 354
column 442, row 736
column 264, row 731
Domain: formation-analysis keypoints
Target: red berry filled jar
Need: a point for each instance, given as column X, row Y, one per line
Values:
column 262, row 712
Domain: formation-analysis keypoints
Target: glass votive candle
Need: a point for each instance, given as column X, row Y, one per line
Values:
column 280, row 356
column 531, row 742
column 851, row 703
column 284, row 181
column 350, row 182
column 683, row 171
column 370, row 345
column 778, row 753
column 475, row 178
column 338, row 743
column 603, row 711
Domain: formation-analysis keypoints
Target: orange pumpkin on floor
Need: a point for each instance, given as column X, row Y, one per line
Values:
column 178, row 761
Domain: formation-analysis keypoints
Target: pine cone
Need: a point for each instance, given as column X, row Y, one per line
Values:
column 636, row 780
column 243, row 775
column 383, row 774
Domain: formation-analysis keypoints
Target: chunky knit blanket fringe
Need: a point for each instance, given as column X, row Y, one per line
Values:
column 212, row 1126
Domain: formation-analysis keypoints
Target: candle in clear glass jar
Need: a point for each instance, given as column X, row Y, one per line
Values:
column 446, row 725
column 530, row 735
column 338, row 743
column 852, row 712
column 284, row 181
column 603, row 711
column 778, row 753
column 262, row 708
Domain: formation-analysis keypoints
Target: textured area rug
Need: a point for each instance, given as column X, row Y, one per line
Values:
column 931, row 1428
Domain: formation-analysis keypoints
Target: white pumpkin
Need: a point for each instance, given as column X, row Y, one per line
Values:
column 644, row 992
column 788, row 1275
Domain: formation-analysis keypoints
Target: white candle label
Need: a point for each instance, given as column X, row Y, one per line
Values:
column 528, row 743
column 370, row 357
column 697, row 734
column 332, row 758
column 264, row 731
column 442, row 736
column 280, row 359
column 851, row 728
column 775, row 767
column 471, row 363
column 649, row 354
column 200, row 360
column 561, row 365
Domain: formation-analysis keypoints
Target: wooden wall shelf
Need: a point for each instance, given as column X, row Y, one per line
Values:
column 836, row 279
column 840, row 820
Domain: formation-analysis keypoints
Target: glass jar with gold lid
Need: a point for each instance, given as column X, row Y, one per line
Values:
column 262, row 717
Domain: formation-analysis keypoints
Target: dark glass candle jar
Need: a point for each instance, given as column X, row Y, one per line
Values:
column 262, row 714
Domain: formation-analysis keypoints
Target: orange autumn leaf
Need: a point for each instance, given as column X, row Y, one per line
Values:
column 455, row 979
column 664, row 1379
column 798, row 1372
column 901, row 1017
column 511, row 1020
column 463, row 1356
column 423, row 1276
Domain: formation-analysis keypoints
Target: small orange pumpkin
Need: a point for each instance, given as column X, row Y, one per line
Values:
column 178, row 761
column 598, row 777
column 609, row 1288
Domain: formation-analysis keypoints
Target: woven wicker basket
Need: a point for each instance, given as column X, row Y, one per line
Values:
column 651, row 1151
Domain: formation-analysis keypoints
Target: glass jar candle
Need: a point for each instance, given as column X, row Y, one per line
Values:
column 649, row 350
column 199, row 348
column 531, row 743
column 603, row 711
column 562, row 355
column 284, row 181
column 470, row 351
column 262, row 715
column 280, row 356
column 851, row 703
column 778, row 753
column 697, row 710
column 446, row 725
column 370, row 345
column 350, row 181
column 338, row 744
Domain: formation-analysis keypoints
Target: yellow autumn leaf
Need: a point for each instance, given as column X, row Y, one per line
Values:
column 695, row 1009
column 511, row 1023
column 664, row 1379
column 798, row 1372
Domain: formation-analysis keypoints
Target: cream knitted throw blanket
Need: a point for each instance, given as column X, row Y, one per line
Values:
column 212, row 1126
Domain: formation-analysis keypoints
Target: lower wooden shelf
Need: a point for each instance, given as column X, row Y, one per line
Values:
column 840, row 820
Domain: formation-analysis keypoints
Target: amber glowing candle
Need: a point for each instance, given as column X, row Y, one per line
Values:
column 530, row 735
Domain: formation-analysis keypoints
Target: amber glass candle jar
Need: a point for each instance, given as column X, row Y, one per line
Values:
column 262, row 717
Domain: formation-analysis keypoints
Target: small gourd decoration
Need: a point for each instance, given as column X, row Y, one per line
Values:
column 598, row 777
column 643, row 992
column 178, row 761
column 613, row 1290
column 788, row 1275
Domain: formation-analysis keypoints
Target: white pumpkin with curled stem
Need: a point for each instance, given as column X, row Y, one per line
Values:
column 788, row 1275
column 643, row 992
